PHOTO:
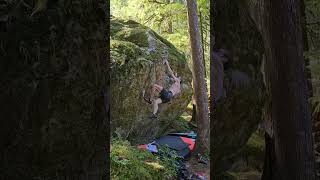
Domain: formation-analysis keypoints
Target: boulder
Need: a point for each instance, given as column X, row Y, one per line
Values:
column 53, row 73
column 137, row 55
column 239, row 111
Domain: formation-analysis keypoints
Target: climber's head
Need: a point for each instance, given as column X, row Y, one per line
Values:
column 164, row 55
column 179, row 79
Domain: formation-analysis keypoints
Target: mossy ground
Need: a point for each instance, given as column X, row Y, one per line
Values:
column 129, row 162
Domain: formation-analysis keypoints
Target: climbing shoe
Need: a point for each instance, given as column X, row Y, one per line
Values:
column 153, row 116
column 147, row 100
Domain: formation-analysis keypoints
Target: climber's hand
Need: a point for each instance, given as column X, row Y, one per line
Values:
column 165, row 61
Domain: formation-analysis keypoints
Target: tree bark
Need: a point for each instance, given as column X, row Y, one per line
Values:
column 169, row 21
column 268, row 167
column 202, row 42
column 199, row 84
column 282, row 34
column 269, row 170
column 212, row 99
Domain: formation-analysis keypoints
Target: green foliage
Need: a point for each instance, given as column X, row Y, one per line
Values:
column 181, row 124
column 256, row 141
column 170, row 158
column 313, row 30
column 254, row 151
column 314, row 56
column 129, row 162
column 313, row 23
column 168, row 18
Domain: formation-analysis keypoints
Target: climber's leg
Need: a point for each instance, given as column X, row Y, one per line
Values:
column 144, row 97
column 156, row 103
column 156, row 87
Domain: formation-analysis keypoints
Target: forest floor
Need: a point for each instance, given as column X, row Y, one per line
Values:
column 129, row 161
column 248, row 166
column 192, row 163
column 194, row 166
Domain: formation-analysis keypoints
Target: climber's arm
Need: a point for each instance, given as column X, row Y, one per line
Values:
column 170, row 70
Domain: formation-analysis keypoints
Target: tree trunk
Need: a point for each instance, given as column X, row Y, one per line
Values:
column 281, row 30
column 194, row 114
column 269, row 170
column 170, row 30
column 169, row 21
column 202, row 42
column 268, row 167
column 212, row 99
column 200, row 91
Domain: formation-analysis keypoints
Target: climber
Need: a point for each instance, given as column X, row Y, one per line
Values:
column 165, row 95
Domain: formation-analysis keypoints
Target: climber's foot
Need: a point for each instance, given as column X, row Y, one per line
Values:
column 153, row 116
column 147, row 100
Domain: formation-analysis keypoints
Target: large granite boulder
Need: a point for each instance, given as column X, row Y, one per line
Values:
column 137, row 55
column 240, row 109
column 53, row 72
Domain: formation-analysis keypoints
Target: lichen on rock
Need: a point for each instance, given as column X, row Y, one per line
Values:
column 137, row 54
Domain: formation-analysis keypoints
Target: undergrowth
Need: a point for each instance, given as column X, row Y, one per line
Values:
column 129, row 162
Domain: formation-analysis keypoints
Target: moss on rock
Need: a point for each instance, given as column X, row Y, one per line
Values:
column 136, row 64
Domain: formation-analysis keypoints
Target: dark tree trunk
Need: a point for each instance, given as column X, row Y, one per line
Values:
column 105, row 61
column 268, row 167
column 199, row 84
column 170, row 30
column 282, row 34
column 212, row 100
column 269, row 170
column 194, row 114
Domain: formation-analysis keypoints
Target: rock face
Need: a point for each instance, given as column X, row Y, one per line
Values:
column 239, row 112
column 137, row 55
column 53, row 74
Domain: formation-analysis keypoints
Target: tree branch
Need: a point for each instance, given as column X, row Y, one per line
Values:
column 158, row 2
